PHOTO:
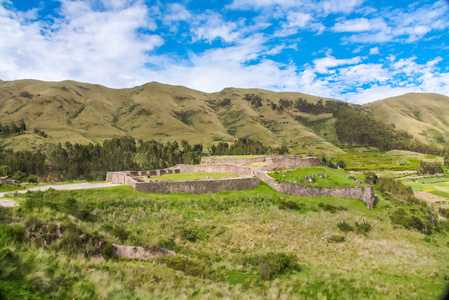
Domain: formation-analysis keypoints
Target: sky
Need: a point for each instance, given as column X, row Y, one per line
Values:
column 352, row 50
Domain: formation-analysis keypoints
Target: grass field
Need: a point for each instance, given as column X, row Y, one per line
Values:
column 190, row 176
column 237, row 245
column 368, row 159
column 438, row 185
column 9, row 188
column 335, row 177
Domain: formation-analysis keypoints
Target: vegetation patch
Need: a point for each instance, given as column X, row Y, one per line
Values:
column 333, row 178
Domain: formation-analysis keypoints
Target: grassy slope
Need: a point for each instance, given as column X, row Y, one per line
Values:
column 389, row 262
column 81, row 112
column 425, row 116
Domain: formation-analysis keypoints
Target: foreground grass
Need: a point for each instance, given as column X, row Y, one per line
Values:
column 221, row 233
column 191, row 176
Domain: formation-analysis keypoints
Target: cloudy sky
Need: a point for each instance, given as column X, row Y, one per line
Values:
column 352, row 50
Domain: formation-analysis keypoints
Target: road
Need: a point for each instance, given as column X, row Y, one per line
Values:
column 66, row 187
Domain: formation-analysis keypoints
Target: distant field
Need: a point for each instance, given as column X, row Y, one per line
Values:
column 191, row 176
column 335, row 177
column 438, row 186
column 379, row 160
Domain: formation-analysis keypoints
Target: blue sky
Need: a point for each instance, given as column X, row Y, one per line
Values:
column 353, row 50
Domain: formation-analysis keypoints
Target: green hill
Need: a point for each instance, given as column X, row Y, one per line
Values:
column 82, row 113
column 425, row 116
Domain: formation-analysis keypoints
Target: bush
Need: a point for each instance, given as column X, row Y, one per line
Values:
column 430, row 167
column 108, row 251
column 120, row 233
column 363, row 228
column 331, row 208
column 11, row 234
column 336, row 239
column 344, row 226
column 272, row 264
column 186, row 265
column 288, row 204
column 193, row 234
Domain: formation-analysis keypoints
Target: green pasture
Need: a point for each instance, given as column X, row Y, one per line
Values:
column 191, row 176
column 249, row 244
column 436, row 185
column 335, row 177
column 383, row 160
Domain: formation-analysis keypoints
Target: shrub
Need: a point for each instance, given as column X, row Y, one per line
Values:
column 272, row 264
column 185, row 264
column 193, row 234
column 331, row 208
column 108, row 250
column 363, row 228
column 288, row 204
column 430, row 167
column 11, row 233
column 336, row 239
column 120, row 233
column 344, row 226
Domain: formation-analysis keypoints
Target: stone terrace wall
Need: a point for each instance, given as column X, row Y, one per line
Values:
column 366, row 194
column 238, row 161
column 208, row 186
column 246, row 171
column 291, row 162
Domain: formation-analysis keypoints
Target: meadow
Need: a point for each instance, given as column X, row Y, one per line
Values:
column 365, row 158
column 335, row 177
column 252, row 244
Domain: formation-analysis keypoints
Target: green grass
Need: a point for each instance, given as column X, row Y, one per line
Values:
column 9, row 188
column 380, row 160
column 192, row 176
column 221, row 233
column 336, row 178
column 441, row 194
column 429, row 184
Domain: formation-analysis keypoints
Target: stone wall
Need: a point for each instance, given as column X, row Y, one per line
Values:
column 231, row 160
column 366, row 194
column 291, row 162
column 246, row 171
column 208, row 186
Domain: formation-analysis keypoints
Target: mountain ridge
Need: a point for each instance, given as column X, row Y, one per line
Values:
column 84, row 112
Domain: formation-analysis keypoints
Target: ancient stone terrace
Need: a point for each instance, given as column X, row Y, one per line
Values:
column 248, row 178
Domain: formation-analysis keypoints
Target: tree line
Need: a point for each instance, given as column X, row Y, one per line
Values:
column 13, row 128
column 92, row 161
column 245, row 146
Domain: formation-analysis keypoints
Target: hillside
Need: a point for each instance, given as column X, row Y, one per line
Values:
column 80, row 112
column 425, row 116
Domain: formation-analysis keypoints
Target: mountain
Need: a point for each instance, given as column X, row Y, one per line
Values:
column 425, row 116
column 82, row 113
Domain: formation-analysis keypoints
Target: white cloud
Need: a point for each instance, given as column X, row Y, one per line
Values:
column 210, row 26
column 87, row 45
column 374, row 51
column 322, row 65
column 397, row 25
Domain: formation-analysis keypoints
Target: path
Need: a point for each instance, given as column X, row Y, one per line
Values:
column 66, row 187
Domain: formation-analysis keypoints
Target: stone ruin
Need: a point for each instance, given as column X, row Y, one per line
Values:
column 248, row 178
